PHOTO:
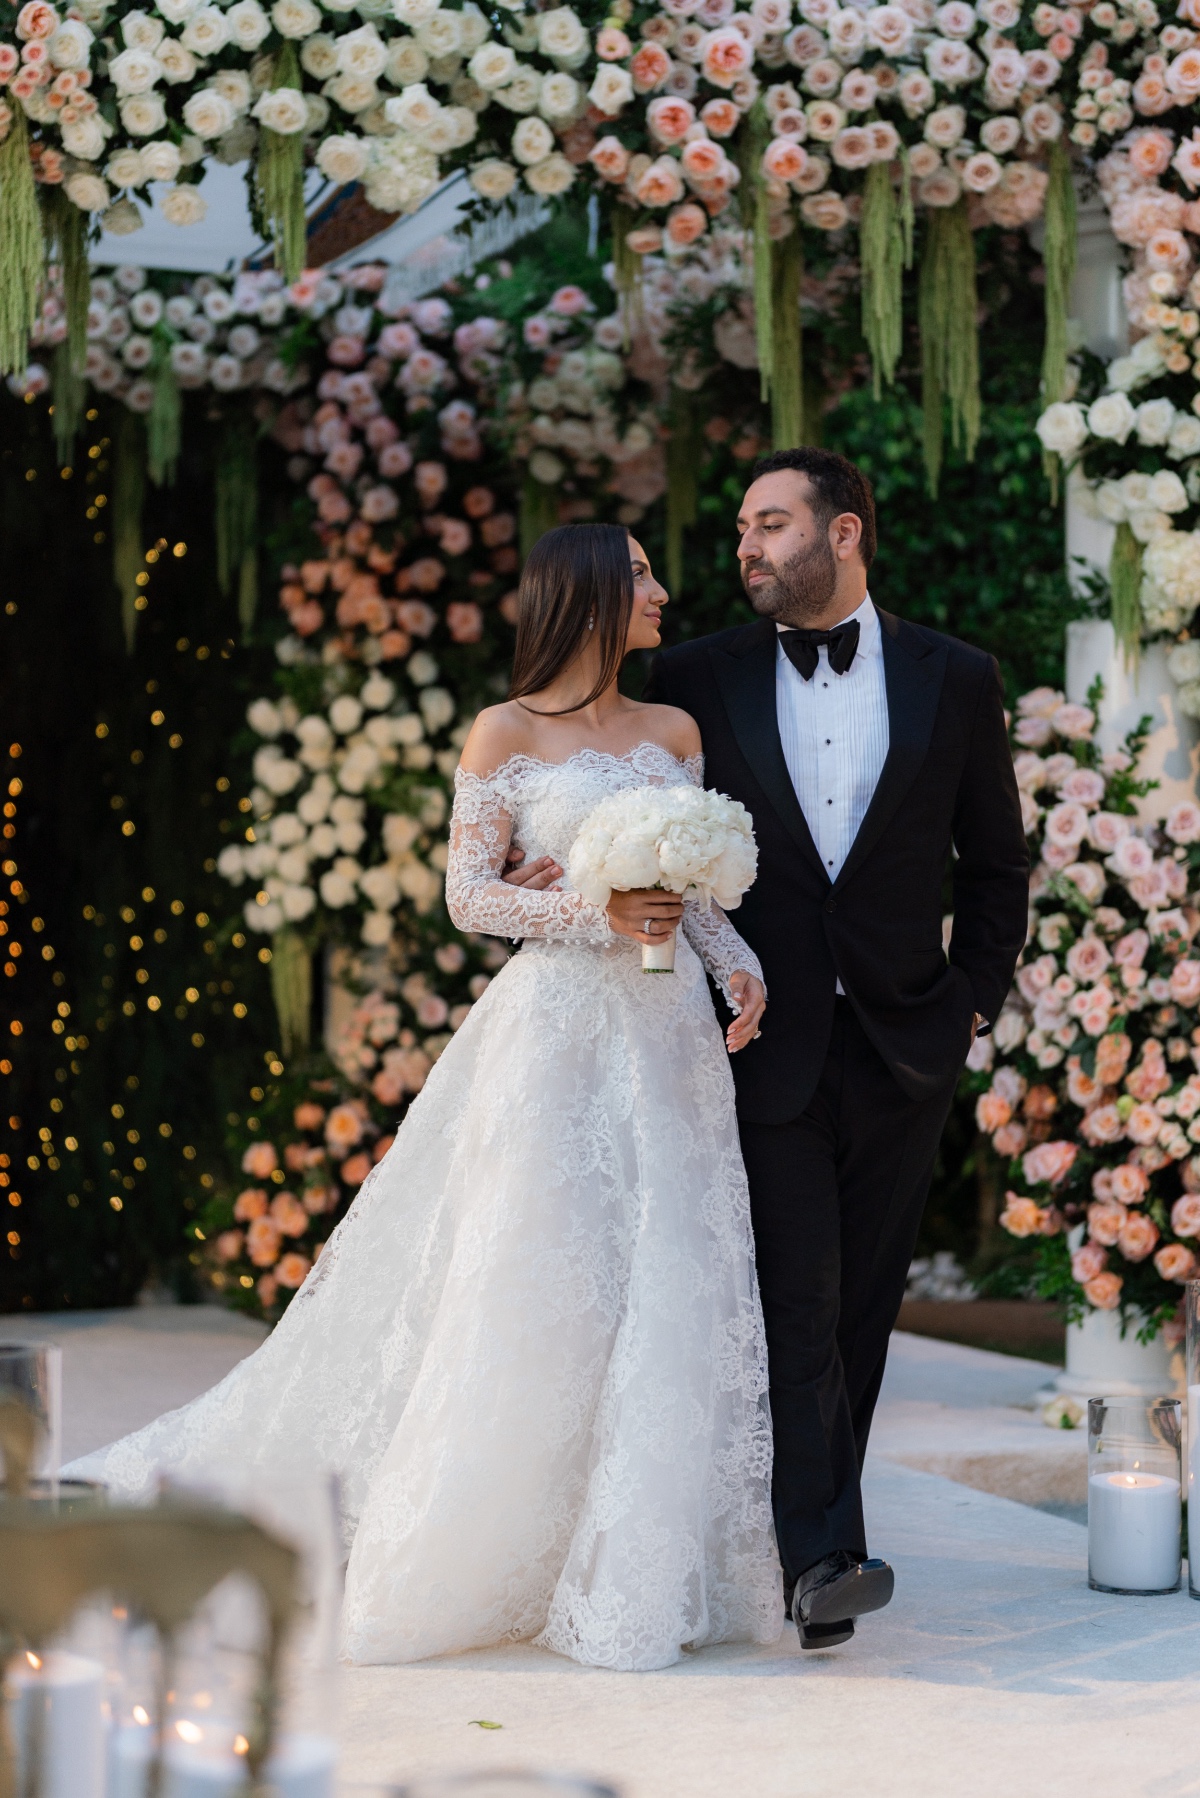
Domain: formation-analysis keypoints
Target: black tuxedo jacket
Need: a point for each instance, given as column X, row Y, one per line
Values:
column 947, row 783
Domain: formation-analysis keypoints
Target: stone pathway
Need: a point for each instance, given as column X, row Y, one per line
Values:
column 994, row 1671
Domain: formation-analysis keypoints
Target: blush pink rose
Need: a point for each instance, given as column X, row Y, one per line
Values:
column 1185, row 1215
column 1138, row 1237
column 250, row 1204
column 1142, row 1124
column 686, row 223
column 1103, row 1125
column 992, row 1111
column 1175, row 1262
column 263, row 1242
column 344, row 1126
column 1087, row 960
column 1129, row 1184
column 1009, row 1140
column 228, row 1245
column 260, row 1160
column 720, row 117
column 1088, row 1261
column 727, row 56
column 669, row 120
column 1104, row 1292
column 649, row 68
column 1049, row 1163
column 1106, row 1219
column 1185, row 982
column 292, row 1269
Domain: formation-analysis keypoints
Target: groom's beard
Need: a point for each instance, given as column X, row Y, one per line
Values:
column 798, row 590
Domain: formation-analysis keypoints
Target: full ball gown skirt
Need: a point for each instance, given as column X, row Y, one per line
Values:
column 533, row 1350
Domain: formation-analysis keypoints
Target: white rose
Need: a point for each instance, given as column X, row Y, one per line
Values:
column 612, row 89
column 206, row 32
column 532, row 141
column 248, row 24
column 981, row 172
column 85, row 138
column 441, row 35
column 126, row 169
column 413, row 110
column 207, row 113
column 464, row 123
column 492, row 65
column 1111, row 416
column 160, row 161
column 70, row 45
column 473, row 27
column 143, row 114
column 336, row 889
column 183, row 206
column 494, row 180
column 414, row 12
column 134, row 71
column 1167, row 493
column 176, row 63
column 1154, row 420
column 1000, row 135
column 140, row 31
column 88, row 192
column 176, row 11
column 1063, row 428
column 523, row 92
column 295, row 18
column 1185, row 437
column 318, row 56
column 561, row 96
column 232, row 85
column 406, row 63
column 400, row 174
column 342, row 158
column 562, row 35
column 362, row 52
column 352, row 93
column 945, row 127
column 282, row 109
column 552, row 176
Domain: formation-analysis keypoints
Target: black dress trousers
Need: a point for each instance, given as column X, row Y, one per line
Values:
column 836, row 1197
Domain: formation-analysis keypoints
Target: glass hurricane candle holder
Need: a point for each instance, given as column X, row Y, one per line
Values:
column 505, row 1785
column 1192, row 1363
column 1134, row 1482
column 31, row 1374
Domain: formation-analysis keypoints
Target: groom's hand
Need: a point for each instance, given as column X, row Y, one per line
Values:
column 539, row 874
column 751, row 1002
column 646, row 914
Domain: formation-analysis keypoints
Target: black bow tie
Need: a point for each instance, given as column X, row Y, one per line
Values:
column 801, row 647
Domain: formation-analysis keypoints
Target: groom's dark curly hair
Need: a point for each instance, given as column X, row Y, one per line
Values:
column 837, row 486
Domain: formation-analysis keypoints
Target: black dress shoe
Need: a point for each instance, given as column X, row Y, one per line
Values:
column 825, row 1635
column 840, row 1588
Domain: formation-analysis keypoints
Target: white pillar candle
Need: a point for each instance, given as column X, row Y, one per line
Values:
column 1133, row 1531
column 1193, row 1448
column 56, row 1715
column 303, row 1766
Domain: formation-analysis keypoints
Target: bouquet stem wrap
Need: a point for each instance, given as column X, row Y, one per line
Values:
column 661, row 958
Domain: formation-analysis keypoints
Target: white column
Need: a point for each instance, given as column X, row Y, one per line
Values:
column 1172, row 752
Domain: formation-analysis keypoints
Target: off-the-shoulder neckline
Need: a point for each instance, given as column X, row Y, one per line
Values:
column 582, row 754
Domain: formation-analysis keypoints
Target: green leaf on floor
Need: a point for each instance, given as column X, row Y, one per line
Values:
column 482, row 1723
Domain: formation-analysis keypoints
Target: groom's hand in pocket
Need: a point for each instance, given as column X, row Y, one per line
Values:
column 646, row 914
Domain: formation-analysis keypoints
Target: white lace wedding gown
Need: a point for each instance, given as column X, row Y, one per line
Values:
column 533, row 1350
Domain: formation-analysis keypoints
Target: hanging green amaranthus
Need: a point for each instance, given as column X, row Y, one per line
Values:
column 1058, row 256
column 684, row 448
column 1125, row 583
column 787, row 348
column 164, row 422
column 539, row 512
column 128, row 493
column 279, row 178
column 628, row 268
column 881, row 251
column 291, row 989
column 236, row 514
column 947, row 307
column 22, row 251
column 69, row 401
column 66, row 244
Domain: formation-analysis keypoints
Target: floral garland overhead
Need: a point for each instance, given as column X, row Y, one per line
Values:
column 1092, row 1094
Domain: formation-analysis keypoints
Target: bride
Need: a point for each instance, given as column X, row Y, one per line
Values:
column 533, row 1350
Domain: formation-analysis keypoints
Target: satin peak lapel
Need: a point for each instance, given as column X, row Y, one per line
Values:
column 913, row 672
column 745, row 674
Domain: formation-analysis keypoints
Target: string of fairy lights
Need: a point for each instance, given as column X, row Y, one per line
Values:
column 151, row 922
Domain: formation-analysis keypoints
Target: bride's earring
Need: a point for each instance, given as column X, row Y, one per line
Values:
column 591, row 624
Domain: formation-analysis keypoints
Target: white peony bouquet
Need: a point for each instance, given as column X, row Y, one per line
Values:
column 681, row 839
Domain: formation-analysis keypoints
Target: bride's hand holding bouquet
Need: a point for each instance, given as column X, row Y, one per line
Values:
column 641, row 853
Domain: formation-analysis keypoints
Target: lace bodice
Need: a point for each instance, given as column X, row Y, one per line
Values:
column 540, row 806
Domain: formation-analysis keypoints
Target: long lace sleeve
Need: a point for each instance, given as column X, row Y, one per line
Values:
column 478, row 899
column 719, row 946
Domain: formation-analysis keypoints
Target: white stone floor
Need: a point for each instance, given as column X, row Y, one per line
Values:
column 994, row 1671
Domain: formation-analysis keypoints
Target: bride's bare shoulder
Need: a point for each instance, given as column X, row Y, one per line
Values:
column 676, row 730
column 499, row 732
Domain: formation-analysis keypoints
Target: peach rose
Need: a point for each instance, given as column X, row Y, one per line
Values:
column 727, row 56
column 650, row 67
column 292, row 1269
column 289, row 1214
column 720, row 118
column 1185, row 1215
column 702, row 160
column 260, row 1160
column 1082, row 1090
column 686, row 223
column 610, row 158
column 1088, row 1261
column 356, row 1169
column 784, row 159
column 344, row 1127
column 1009, row 1140
column 1112, row 1057
column 661, row 184
column 670, row 119
column 1185, row 982
column 267, row 1289
column 1129, row 1185
column 1106, row 1220
column 263, row 1241
column 1103, row 1125
column 1104, row 1292
column 991, row 1112
column 308, row 1115
column 1102, row 1183
column 1175, row 1262
column 1021, row 1217
column 1049, row 1162
column 382, row 1145
column 1141, row 1126
column 1040, row 1102
column 1139, row 1235
column 250, row 1204
column 317, row 1200
column 228, row 1245
column 1149, row 152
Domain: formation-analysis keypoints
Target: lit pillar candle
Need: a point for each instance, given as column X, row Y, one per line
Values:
column 302, row 1766
column 57, row 1719
column 1133, row 1531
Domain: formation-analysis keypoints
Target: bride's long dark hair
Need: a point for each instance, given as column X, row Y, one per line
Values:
column 576, row 584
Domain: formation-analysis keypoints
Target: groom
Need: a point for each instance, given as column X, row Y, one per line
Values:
column 869, row 751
